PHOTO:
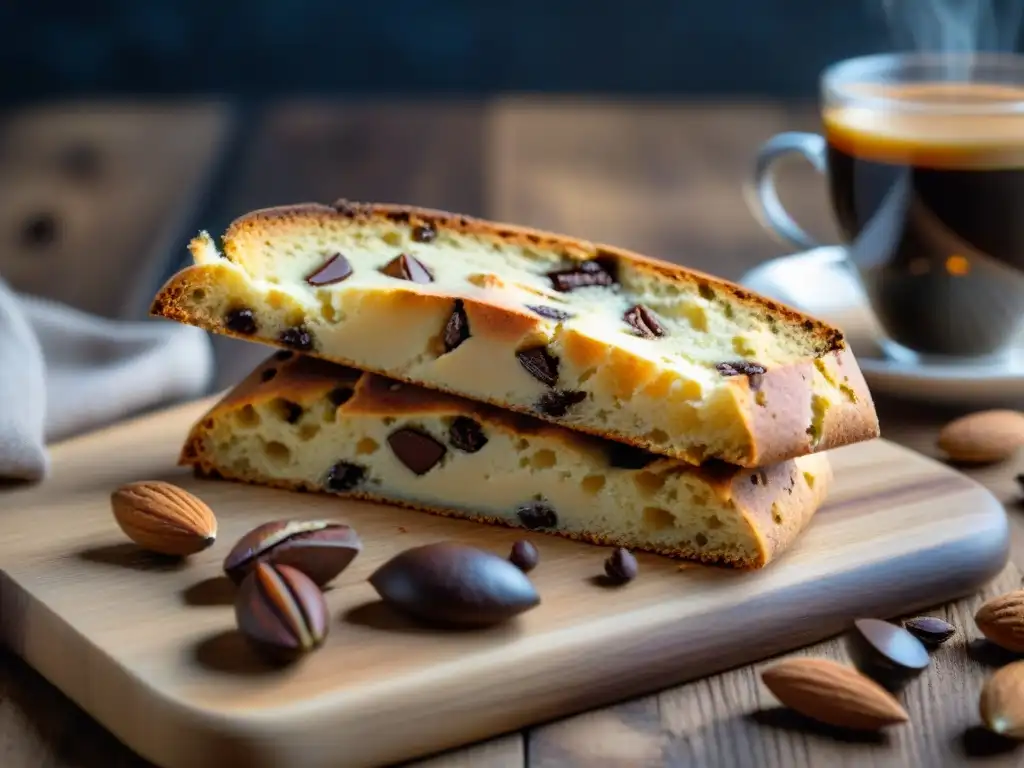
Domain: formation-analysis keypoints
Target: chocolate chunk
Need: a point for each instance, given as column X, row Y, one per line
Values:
column 621, row 566
column 540, row 364
column 334, row 270
column 643, row 322
column 930, row 630
column 268, row 374
column 240, row 321
column 466, row 435
column 424, row 233
column 283, row 355
column 886, row 652
column 416, row 449
column 549, row 312
column 524, row 556
column 626, row 456
column 344, row 476
column 297, row 337
column 537, row 514
column 292, row 411
column 558, row 402
column 456, row 330
column 586, row 274
column 405, row 267
column 740, row 367
column 339, row 396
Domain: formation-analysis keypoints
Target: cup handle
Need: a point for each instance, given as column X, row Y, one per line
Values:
column 764, row 200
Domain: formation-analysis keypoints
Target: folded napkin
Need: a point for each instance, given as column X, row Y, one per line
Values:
column 63, row 372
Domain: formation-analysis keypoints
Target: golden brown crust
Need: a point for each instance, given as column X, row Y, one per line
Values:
column 775, row 408
column 777, row 501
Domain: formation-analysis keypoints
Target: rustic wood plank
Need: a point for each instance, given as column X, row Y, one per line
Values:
column 664, row 179
column 667, row 179
column 427, row 153
column 94, row 198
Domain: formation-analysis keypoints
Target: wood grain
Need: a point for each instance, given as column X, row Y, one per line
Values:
column 161, row 639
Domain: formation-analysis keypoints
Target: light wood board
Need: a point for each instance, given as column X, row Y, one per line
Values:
column 149, row 649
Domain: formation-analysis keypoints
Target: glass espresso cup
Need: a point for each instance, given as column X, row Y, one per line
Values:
column 924, row 158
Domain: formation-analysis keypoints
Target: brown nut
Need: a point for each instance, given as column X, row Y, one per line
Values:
column 164, row 518
column 319, row 548
column 281, row 612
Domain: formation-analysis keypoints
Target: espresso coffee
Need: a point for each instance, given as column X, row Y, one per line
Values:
column 927, row 184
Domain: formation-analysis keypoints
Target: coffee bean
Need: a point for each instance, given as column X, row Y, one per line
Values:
column 930, row 630
column 524, row 556
column 424, row 233
column 558, row 402
column 466, row 435
column 626, row 456
column 344, row 476
column 336, row 269
column 549, row 312
column 456, row 330
column 339, row 396
column 297, row 338
column 886, row 652
column 586, row 274
column 540, row 364
column 448, row 584
column 644, row 322
column 240, row 321
column 416, row 449
column 405, row 267
column 537, row 514
column 740, row 367
column 621, row 566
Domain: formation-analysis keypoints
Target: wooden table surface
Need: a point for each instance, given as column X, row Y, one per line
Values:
column 95, row 203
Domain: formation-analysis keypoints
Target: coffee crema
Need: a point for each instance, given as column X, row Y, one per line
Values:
column 927, row 183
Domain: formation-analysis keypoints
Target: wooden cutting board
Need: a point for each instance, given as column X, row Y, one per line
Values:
column 149, row 648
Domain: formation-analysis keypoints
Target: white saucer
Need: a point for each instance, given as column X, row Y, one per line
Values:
column 819, row 283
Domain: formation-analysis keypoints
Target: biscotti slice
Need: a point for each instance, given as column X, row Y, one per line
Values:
column 588, row 336
column 302, row 423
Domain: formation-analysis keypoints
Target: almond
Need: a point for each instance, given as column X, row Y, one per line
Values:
column 983, row 437
column 1001, row 620
column 164, row 518
column 832, row 693
column 1001, row 704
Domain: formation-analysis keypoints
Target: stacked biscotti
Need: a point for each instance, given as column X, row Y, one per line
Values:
column 512, row 376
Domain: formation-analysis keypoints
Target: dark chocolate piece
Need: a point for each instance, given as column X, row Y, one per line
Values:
column 416, row 449
column 405, row 267
column 297, row 338
column 886, row 652
column 537, row 514
column 340, row 395
column 449, row 584
column 586, row 274
column 240, row 321
column 424, row 233
column 621, row 566
column 558, row 402
column 268, row 374
column 456, row 330
column 930, row 630
column 625, row 456
column 740, row 368
column 292, row 411
column 283, row 354
column 549, row 312
column 334, row 270
column 344, row 476
column 524, row 556
column 644, row 322
column 466, row 435
column 540, row 364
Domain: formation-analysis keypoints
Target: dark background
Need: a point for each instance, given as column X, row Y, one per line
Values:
column 255, row 48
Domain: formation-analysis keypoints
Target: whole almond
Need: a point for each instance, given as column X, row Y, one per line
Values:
column 983, row 437
column 1001, row 704
column 164, row 518
column 1001, row 620
column 832, row 693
